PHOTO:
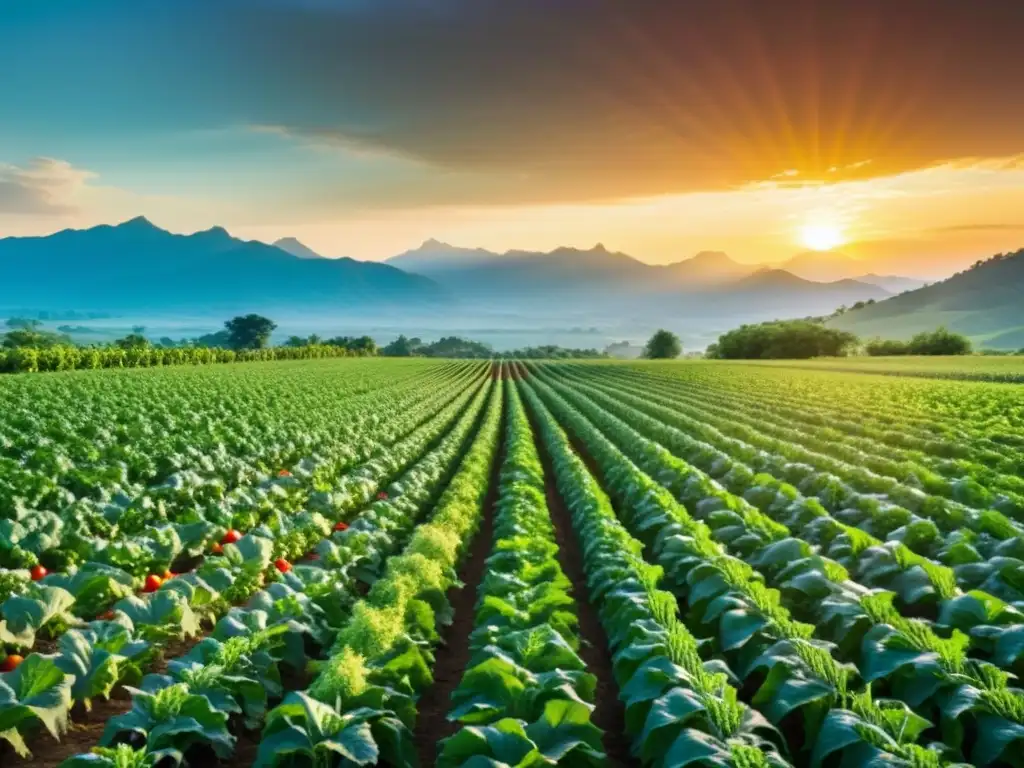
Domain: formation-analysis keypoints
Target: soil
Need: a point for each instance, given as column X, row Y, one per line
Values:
column 83, row 734
column 609, row 711
column 453, row 654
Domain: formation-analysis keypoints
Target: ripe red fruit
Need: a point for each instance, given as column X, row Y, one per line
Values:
column 106, row 615
column 168, row 574
column 282, row 565
column 153, row 583
column 37, row 572
column 11, row 662
column 284, row 473
column 382, row 496
column 341, row 526
column 217, row 548
column 231, row 537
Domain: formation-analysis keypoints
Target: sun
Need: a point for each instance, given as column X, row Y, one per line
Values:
column 821, row 237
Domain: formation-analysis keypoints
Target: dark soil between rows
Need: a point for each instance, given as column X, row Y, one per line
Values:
column 453, row 654
column 609, row 712
column 83, row 734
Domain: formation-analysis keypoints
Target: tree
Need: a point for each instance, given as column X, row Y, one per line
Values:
column 400, row 347
column 23, row 337
column 132, row 341
column 249, row 331
column 138, row 329
column 782, row 339
column 23, row 323
column 940, row 342
column 663, row 345
column 295, row 341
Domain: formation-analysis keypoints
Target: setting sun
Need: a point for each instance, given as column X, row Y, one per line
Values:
column 821, row 237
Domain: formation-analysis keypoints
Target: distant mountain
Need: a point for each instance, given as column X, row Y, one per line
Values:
column 485, row 273
column 295, row 248
column 139, row 267
column 823, row 266
column 434, row 256
column 707, row 268
column 892, row 283
column 983, row 301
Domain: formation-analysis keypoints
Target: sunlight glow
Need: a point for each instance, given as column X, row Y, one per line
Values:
column 821, row 237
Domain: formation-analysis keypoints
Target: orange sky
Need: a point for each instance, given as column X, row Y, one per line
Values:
column 656, row 127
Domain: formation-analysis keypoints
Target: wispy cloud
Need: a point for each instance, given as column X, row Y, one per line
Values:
column 42, row 186
column 981, row 228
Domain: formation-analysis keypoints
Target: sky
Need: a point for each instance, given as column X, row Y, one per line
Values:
column 893, row 129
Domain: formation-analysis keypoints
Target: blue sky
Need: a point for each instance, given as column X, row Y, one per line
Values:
column 366, row 126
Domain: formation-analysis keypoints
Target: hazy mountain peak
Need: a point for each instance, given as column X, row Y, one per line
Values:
column 214, row 231
column 138, row 223
column 296, row 248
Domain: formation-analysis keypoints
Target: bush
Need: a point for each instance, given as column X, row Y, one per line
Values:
column 886, row 348
column 940, row 342
column 782, row 339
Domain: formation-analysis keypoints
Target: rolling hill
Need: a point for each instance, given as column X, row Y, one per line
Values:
column 984, row 302
column 136, row 266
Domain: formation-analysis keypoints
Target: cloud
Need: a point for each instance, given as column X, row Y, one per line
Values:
column 981, row 228
column 42, row 186
column 535, row 101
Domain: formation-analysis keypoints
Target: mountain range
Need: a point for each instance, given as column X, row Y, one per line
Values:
column 568, row 270
column 136, row 266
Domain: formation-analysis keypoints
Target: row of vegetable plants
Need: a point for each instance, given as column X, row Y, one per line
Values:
column 921, row 587
column 955, row 420
column 680, row 708
column 361, row 707
column 526, row 697
column 63, row 357
column 124, row 440
column 922, row 456
column 291, row 517
column 908, row 480
column 314, row 598
column 953, row 533
column 244, row 566
column 810, row 689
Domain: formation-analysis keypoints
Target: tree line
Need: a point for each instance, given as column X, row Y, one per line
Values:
column 804, row 339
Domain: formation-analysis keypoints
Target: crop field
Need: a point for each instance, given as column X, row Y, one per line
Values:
column 1004, row 368
column 363, row 562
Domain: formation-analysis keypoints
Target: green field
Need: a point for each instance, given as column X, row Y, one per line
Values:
column 998, row 368
column 403, row 562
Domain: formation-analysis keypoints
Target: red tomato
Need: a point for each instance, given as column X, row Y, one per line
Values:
column 231, row 537
column 37, row 572
column 168, row 574
column 106, row 615
column 282, row 565
column 284, row 473
column 217, row 548
column 341, row 526
column 11, row 662
column 382, row 495
column 153, row 583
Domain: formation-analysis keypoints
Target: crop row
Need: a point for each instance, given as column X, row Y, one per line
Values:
column 245, row 566
column 858, row 643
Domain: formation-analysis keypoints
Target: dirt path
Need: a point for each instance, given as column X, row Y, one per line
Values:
column 609, row 712
column 453, row 654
